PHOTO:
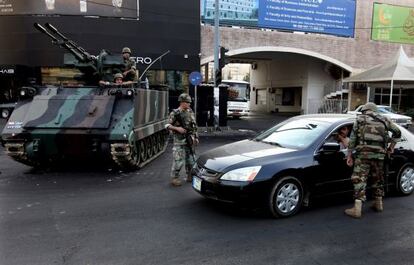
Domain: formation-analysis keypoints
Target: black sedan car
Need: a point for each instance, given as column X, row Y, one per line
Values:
column 285, row 166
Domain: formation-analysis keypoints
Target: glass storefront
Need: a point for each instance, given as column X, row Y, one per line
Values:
column 175, row 80
column 402, row 98
column 60, row 76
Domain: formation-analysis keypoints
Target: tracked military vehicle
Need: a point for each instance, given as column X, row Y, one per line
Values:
column 120, row 123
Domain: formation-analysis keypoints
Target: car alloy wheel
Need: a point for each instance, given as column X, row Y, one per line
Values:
column 405, row 184
column 286, row 197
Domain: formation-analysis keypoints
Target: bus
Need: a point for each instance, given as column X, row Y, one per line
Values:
column 238, row 98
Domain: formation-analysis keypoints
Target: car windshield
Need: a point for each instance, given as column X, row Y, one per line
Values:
column 385, row 110
column 296, row 134
column 237, row 92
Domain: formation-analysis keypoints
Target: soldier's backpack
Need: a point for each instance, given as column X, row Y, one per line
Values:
column 373, row 130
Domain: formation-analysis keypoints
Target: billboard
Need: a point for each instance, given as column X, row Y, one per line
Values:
column 318, row 16
column 148, row 37
column 393, row 23
column 103, row 8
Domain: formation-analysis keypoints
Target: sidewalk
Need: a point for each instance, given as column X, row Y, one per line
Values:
column 225, row 132
column 246, row 126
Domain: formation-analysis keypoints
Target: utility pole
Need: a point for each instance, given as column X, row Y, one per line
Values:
column 216, row 39
column 216, row 64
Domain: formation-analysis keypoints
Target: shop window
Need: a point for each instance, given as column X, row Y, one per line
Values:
column 288, row 97
column 60, row 76
column 261, row 97
column 175, row 80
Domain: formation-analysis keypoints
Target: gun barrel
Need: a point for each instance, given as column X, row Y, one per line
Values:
column 70, row 44
column 61, row 40
column 55, row 31
column 44, row 31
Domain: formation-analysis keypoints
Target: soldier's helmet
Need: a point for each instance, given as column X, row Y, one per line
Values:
column 118, row 75
column 184, row 97
column 126, row 50
column 369, row 106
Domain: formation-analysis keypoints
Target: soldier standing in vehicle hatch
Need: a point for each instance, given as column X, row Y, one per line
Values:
column 184, row 127
column 371, row 142
column 130, row 66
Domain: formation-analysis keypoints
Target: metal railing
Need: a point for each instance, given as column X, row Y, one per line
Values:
column 327, row 106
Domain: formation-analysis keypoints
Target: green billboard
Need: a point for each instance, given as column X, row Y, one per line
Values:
column 393, row 23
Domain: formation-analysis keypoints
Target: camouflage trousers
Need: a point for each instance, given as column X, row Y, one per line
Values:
column 181, row 155
column 364, row 168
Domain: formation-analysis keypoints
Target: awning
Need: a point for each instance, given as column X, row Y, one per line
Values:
column 399, row 68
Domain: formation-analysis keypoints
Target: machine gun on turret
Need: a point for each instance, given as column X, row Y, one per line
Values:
column 64, row 42
column 53, row 125
column 93, row 68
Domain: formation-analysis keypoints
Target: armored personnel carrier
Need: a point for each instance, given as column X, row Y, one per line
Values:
column 120, row 123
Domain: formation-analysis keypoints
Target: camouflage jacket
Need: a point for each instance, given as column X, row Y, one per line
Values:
column 188, row 118
column 128, row 65
column 370, row 135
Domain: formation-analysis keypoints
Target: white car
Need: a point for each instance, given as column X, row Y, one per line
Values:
column 386, row 111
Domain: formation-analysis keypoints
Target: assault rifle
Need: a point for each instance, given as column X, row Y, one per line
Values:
column 188, row 135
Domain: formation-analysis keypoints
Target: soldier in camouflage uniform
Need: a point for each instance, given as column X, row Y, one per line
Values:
column 118, row 80
column 183, row 125
column 371, row 142
column 130, row 66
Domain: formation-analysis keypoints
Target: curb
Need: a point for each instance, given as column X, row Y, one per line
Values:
column 227, row 133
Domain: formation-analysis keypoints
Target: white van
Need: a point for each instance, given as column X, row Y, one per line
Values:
column 238, row 98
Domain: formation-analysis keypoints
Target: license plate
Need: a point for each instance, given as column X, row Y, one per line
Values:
column 197, row 183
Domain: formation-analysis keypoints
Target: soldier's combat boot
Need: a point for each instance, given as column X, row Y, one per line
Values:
column 378, row 205
column 176, row 182
column 355, row 211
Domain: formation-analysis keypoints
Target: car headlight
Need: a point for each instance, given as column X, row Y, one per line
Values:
column 242, row 174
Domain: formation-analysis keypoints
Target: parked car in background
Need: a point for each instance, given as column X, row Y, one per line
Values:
column 291, row 163
column 388, row 112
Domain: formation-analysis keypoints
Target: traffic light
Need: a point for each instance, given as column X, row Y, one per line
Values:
column 222, row 60
column 218, row 77
column 221, row 64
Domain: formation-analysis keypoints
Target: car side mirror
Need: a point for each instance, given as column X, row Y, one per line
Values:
column 330, row 148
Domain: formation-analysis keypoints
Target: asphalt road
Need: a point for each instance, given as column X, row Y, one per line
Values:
column 98, row 216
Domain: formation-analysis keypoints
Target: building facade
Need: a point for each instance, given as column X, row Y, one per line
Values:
column 160, row 27
column 309, row 67
column 232, row 10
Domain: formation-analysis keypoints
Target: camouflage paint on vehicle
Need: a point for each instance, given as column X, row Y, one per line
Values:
column 125, row 124
column 83, row 123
